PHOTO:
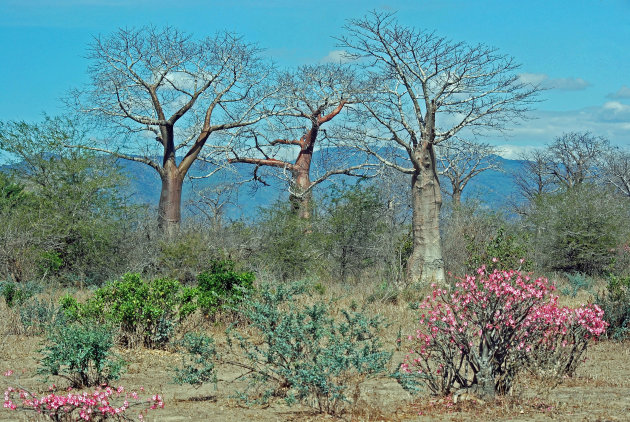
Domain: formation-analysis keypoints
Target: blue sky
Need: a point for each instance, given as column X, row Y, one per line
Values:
column 578, row 49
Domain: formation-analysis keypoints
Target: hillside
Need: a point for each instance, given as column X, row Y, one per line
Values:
column 492, row 188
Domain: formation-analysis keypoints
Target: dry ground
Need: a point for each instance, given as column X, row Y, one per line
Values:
column 600, row 391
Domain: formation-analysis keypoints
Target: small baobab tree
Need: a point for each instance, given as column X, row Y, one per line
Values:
column 573, row 158
column 616, row 170
column 460, row 161
column 307, row 99
column 426, row 90
column 163, row 93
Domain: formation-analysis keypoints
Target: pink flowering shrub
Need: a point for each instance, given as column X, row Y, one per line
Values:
column 100, row 404
column 489, row 327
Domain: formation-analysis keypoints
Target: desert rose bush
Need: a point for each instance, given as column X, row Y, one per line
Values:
column 105, row 403
column 480, row 334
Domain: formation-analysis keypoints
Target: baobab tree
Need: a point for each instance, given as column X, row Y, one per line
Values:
column 616, row 170
column 573, row 158
column 462, row 160
column 533, row 178
column 307, row 99
column 163, row 93
column 428, row 89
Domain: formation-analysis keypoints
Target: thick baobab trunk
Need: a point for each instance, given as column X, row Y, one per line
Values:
column 300, row 194
column 169, row 209
column 425, row 265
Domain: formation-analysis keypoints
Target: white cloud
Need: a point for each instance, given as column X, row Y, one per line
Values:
column 533, row 78
column 336, row 56
column 562, row 84
column 610, row 120
column 514, row 152
column 623, row 92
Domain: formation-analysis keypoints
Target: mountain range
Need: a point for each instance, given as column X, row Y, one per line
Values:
column 492, row 188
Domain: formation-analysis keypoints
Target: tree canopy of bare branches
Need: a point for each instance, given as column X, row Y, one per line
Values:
column 163, row 93
column 573, row 158
column 428, row 89
column 463, row 160
column 307, row 99
column 616, row 170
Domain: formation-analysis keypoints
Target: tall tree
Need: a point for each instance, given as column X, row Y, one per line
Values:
column 74, row 217
column 428, row 89
column 309, row 98
column 461, row 161
column 616, row 170
column 162, row 92
column 573, row 157
column 533, row 178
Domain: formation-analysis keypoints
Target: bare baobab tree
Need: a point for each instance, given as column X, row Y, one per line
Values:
column 534, row 178
column 428, row 89
column 616, row 170
column 163, row 93
column 461, row 161
column 573, row 158
column 308, row 99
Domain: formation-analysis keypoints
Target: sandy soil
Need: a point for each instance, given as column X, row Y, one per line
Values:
column 600, row 391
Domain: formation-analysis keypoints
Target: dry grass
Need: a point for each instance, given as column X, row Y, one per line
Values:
column 599, row 391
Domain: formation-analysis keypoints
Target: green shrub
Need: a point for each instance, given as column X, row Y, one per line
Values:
column 304, row 353
column 222, row 287
column 198, row 362
column 81, row 354
column 291, row 243
column 615, row 301
column 501, row 252
column 38, row 316
column 145, row 310
column 579, row 229
column 577, row 282
column 16, row 294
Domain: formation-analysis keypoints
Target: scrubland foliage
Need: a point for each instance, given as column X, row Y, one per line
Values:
column 492, row 326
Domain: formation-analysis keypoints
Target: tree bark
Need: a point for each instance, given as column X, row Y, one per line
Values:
column 457, row 198
column 301, row 198
column 425, row 265
column 169, row 209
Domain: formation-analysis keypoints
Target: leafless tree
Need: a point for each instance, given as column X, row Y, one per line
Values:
column 616, row 170
column 462, row 160
column 309, row 98
column 161, row 93
column 573, row 158
column 534, row 178
column 427, row 90
column 212, row 202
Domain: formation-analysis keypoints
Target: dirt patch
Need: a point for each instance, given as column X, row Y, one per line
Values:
column 600, row 391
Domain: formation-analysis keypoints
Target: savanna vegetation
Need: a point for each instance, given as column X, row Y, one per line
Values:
column 360, row 294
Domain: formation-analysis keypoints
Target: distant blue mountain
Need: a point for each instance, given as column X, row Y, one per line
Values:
column 491, row 187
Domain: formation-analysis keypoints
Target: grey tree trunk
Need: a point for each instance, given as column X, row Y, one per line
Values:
column 169, row 209
column 426, row 265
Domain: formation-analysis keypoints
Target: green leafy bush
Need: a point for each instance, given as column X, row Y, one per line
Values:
column 615, row 301
column 222, row 287
column 501, row 252
column 290, row 245
column 143, row 310
column 198, row 362
column 303, row 352
column 579, row 229
column 16, row 294
column 577, row 282
column 81, row 354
